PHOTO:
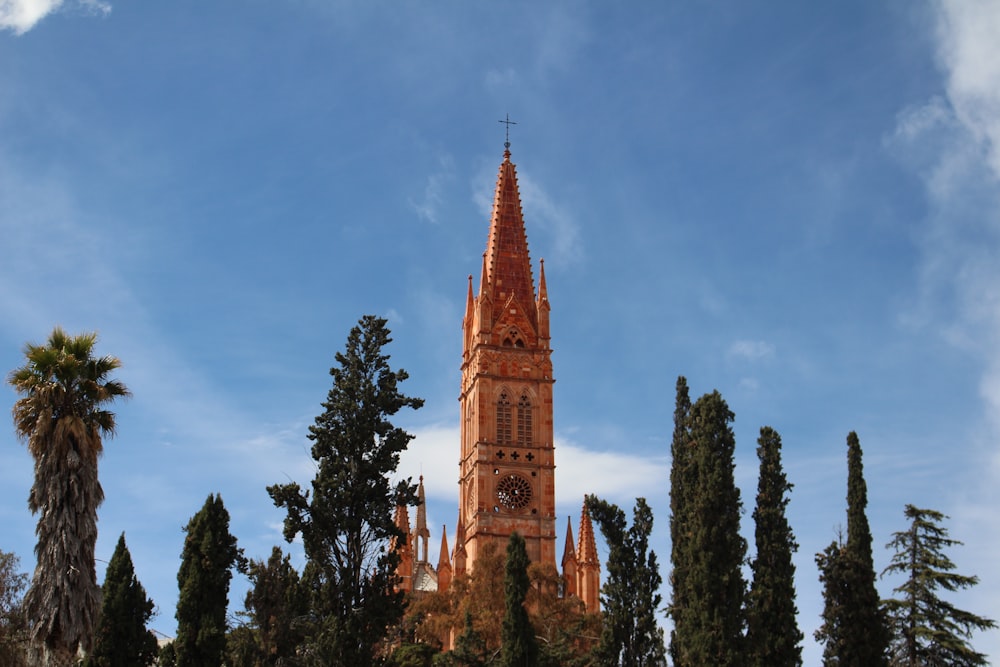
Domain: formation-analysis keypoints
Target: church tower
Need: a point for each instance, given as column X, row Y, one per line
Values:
column 507, row 464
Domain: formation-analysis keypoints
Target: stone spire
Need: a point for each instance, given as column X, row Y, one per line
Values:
column 422, row 534
column 460, row 556
column 588, row 567
column 405, row 568
column 569, row 560
column 508, row 266
column 444, row 562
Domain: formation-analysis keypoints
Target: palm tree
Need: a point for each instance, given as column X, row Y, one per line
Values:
column 61, row 417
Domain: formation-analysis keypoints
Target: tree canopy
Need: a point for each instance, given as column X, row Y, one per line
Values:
column 346, row 519
column 925, row 629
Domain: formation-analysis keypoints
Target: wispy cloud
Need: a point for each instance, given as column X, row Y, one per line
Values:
column 953, row 143
column 751, row 350
column 427, row 207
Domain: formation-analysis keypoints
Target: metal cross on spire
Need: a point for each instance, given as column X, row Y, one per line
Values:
column 508, row 122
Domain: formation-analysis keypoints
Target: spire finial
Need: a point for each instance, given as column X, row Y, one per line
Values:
column 508, row 122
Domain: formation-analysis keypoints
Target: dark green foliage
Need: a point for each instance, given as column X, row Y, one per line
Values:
column 518, row 646
column 773, row 635
column 630, row 636
column 412, row 655
column 276, row 606
column 168, row 655
column 209, row 556
column 681, row 483
column 122, row 638
column 708, row 614
column 346, row 520
column 853, row 632
column 927, row 630
column 470, row 647
column 13, row 629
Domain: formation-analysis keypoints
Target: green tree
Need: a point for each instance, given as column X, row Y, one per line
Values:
column 773, row 635
column 62, row 416
column 13, row 630
column 346, row 522
column 709, row 624
column 122, row 638
column 681, row 484
column 630, row 636
column 470, row 649
column 853, row 632
column 207, row 561
column 518, row 647
column 925, row 629
column 276, row 606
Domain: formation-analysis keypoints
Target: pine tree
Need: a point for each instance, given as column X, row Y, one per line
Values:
column 680, row 488
column 122, row 639
column 346, row 522
column 518, row 647
column 927, row 630
column 709, row 618
column 631, row 636
column 853, row 630
column 209, row 556
column 773, row 635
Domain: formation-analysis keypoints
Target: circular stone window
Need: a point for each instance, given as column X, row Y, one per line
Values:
column 514, row 492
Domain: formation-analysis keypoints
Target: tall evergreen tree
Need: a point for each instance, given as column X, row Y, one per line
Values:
column 346, row 522
column 630, row 636
column 122, row 637
column 207, row 561
column 853, row 631
column 681, row 473
column 518, row 646
column 62, row 415
column 773, row 635
column 709, row 619
column 927, row 630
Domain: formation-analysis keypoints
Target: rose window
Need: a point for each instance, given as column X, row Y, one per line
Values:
column 514, row 492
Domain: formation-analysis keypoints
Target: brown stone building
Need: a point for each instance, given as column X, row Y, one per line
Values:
column 507, row 471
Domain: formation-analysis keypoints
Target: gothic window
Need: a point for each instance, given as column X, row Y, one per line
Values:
column 524, row 429
column 504, row 420
column 513, row 339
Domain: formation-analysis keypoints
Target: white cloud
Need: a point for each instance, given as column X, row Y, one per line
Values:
column 20, row 16
column 555, row 220
column 622, row 476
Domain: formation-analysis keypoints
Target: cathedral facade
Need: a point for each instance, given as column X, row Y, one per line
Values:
column 507, row 471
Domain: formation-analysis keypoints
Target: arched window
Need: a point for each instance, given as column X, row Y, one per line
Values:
column 524, row 429
column 513, row 339
column 504, row 420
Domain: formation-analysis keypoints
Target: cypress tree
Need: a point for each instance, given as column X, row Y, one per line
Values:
column 927, row 630
column 630, row 635
column 209, row 556
column 275, row 604
column 773, row 635
column 854, row 631
column 346, row 521
column 680, row 488
column 518, row 646
column 710, row 618
column 122, row 639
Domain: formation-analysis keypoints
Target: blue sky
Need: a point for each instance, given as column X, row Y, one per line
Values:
column 793, row 203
